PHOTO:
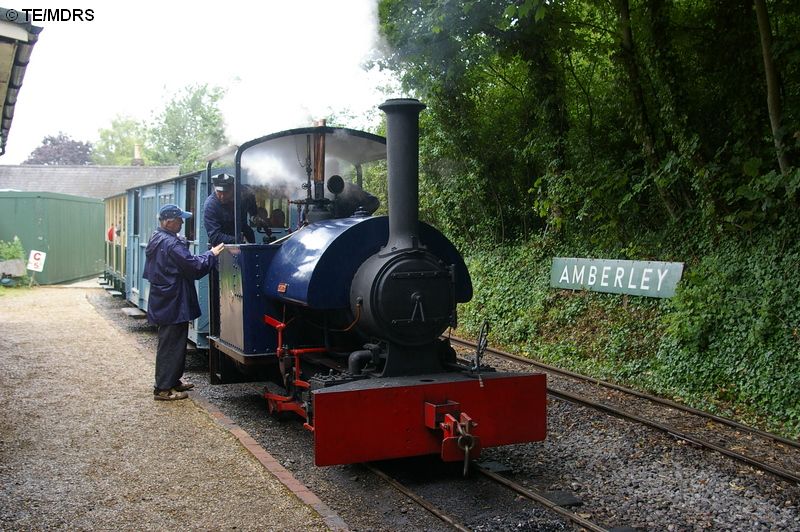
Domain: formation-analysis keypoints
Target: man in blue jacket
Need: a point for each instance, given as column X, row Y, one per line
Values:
column 218, row 215
column 172, row 304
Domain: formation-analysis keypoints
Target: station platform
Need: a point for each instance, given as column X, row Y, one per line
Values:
column 83, row 445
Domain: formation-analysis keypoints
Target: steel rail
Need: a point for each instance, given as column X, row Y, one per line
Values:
column 446, row 518
column 510, row 484
column 450, row 520
column 782, row 473
column 786, row 475
column 541, row 499
column 659, row 400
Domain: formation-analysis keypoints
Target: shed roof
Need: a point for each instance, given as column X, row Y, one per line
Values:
column 87, row 181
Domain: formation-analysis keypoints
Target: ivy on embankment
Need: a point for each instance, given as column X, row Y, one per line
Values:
column 729, row 341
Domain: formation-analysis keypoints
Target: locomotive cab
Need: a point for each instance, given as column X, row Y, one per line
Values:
column 279, row 193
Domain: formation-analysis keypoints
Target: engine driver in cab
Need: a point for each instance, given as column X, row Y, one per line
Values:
column 218, row 215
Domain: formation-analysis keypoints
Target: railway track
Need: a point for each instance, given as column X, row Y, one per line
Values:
column 541, row 499
column 761, row 450
column 454, row 521
column 515, row 488
column 742, row 443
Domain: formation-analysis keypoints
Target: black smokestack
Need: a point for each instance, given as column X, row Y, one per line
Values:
column 402, row 155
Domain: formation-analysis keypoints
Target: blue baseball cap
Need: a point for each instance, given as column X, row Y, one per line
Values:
column 170, row 211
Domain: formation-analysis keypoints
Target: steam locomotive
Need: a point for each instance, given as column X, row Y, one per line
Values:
column 346, row 313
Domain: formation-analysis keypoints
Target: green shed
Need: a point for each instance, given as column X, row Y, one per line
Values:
column 68, row 228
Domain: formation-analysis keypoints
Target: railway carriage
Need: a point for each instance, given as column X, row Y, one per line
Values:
column 143, row 204
column 115, row 240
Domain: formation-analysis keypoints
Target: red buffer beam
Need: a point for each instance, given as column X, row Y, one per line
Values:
column 377, row 419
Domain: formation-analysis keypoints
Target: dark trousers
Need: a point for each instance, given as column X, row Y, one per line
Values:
column 171, row 354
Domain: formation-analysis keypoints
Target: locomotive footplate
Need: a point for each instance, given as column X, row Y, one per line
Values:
column 377, row 419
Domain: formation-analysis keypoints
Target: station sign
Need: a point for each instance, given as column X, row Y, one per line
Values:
column 638, row 278
column 36, row 260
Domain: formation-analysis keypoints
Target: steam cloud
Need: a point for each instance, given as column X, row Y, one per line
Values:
column 306, row 65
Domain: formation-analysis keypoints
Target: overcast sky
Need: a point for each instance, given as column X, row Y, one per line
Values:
column 283, row 63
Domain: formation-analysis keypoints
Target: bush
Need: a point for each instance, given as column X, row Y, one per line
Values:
column 732, row 334
column 13, row 250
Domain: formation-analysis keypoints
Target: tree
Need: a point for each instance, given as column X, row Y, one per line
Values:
column 61, row 149
column 611, row 118
column 494, row 80
column 116, row 144
column 189, row 128
column 773, row 85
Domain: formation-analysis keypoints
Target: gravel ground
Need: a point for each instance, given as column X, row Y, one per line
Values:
column 625, row 474
column 628, row 475
column 748, row 443
column 83, row 446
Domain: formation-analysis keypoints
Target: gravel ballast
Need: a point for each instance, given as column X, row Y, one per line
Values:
column 83, row 445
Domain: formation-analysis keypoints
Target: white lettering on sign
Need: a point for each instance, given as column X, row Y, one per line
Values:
column 654, row 279
column 618, row 276
column 646, row 278
column 36, row 260
column 643, row 279
column 577, row 277
column 661, row 276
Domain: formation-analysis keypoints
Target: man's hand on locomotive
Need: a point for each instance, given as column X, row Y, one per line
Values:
column 216, row 250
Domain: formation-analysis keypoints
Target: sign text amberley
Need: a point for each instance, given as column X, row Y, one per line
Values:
column 639, row 278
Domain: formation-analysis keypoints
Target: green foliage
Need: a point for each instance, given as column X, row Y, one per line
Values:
column 189, row 128
column 733, row 330
column 117, row 143
column 556, row 119
column 61, row 149
column 510, row 287
column 13, row 250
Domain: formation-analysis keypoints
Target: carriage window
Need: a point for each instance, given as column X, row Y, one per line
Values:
column 136, row 213
column 191, row 206
column 279, row 210
column 272, row 205
column 149, row 221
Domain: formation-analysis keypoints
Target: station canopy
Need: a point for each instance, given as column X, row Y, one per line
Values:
column 17, row 38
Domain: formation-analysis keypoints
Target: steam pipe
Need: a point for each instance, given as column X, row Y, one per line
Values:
column 402, row 156
column 357, row 360
column 319, row 161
